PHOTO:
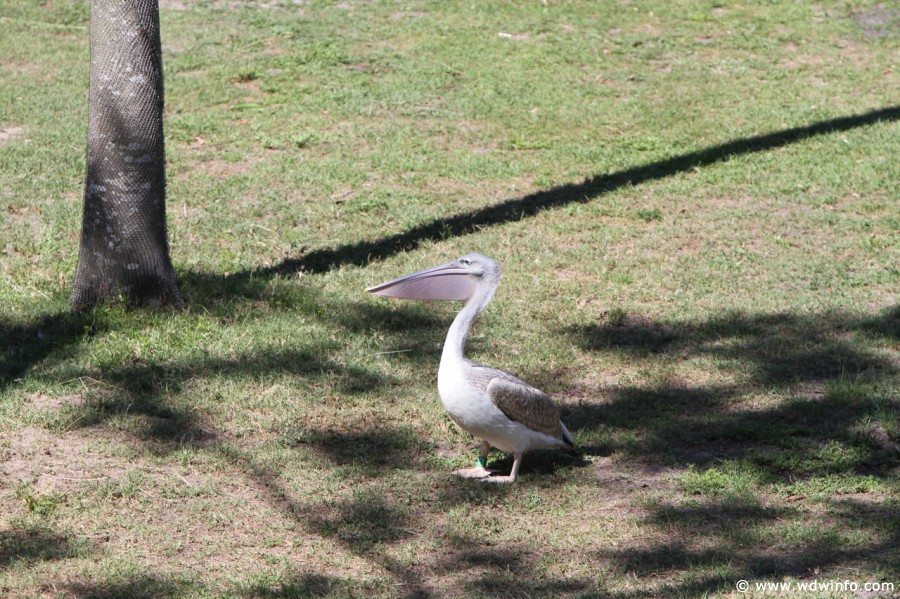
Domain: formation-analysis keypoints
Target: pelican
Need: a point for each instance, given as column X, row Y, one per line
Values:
column 498, row 408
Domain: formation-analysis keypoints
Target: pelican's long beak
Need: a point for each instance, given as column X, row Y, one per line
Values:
column 452, row 281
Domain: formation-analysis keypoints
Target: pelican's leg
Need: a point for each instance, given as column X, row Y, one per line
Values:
column 479, row 471
column 483, row 454
column 513, row 474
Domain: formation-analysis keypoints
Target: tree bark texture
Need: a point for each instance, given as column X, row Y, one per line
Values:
column 124, row 246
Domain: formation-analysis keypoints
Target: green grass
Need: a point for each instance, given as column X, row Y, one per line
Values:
column 695, row 207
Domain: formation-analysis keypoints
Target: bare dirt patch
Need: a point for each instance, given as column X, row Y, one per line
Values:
column 189, row 518
column 621, row 481
column 171, row 5
column 23, row 215
column 200, row 158
column 411, row 14
column 55, row 463
column 8, row 134
column 217, row 169
column 47, row 402
column 878, row 21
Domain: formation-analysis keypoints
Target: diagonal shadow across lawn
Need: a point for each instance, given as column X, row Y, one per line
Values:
column 362, row 252
column 31, row 342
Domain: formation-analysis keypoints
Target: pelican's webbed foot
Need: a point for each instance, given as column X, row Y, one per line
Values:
column 476, row 472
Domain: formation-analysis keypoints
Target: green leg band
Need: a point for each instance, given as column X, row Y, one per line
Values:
column 482, row 461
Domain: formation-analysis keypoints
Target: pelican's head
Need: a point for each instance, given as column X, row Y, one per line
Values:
column 457, row 280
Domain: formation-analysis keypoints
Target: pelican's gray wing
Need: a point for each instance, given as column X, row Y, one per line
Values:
column 523, row 403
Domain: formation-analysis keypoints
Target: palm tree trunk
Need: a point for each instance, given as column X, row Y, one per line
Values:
column 124, row 250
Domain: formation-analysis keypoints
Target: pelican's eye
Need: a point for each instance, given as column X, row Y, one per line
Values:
column 465, row 261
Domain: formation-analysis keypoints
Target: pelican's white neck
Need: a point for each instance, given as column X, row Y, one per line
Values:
column 454, row 346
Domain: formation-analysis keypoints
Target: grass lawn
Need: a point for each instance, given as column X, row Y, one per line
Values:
column 697, row 208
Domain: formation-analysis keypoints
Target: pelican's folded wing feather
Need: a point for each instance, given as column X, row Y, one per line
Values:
column 523, row 403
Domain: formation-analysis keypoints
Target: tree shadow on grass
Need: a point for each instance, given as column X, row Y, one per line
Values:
column 142, row 586
column 775, row 348
column 49, row 339
column 140, row 396
column 369, row 520
column 219, row 294
column 826, row 376
column 28, row 343
column 812, row 416
column 305, row 584
column 364, row 454
column 364, row 523
column 143, row 390
column 756, row 543
column 36, row 543
column 146, row 389
column 703, row 425
column 486, row 572
column 31, row 342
